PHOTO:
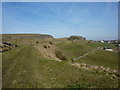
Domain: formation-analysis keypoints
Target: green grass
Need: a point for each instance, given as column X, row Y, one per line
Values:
column 72, row 50
column 78, row 48
column 99, row 57
column 25, row 67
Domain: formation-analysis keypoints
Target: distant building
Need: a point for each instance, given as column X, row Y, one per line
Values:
column 102, row 41
column 114, row 41
column 108, row 49
column 106, row 41
column 119, row 46
column 109, row 41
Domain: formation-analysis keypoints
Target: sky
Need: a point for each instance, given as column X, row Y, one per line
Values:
column 92, row 20
column 0, row 17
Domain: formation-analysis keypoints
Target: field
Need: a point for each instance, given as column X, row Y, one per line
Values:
column 46, row 63
column 98, row 57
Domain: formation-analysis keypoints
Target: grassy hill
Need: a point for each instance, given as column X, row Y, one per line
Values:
column 31, row 65
column 19, row 36
column 102, row 58
column 99, row 57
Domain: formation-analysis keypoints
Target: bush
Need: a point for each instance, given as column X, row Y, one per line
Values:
column 60, row 55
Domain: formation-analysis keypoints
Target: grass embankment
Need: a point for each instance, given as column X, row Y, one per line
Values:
column 98, row 57
column 101, row 58
column 25, row 67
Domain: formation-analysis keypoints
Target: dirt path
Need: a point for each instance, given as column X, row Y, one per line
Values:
column 84, row 54
column 95, row 67
column 21, row 63
column 27, row 69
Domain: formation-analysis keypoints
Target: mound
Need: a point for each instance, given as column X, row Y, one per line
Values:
column 76, row 37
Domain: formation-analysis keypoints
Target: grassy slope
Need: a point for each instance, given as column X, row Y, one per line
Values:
column 73, row 50
column 99, row 57
column 24, row 67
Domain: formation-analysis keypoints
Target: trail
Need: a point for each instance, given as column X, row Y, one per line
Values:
column 25, row 69
column 85, row 54
column 94, row 67
column 28, row 70
column 21, row 69
column 16, row 61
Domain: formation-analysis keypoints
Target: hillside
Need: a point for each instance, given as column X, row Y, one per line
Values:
column 18, row 36
column 99, row 57
column 46, row 63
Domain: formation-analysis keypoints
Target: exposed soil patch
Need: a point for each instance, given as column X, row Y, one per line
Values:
column 49, row 50
column 95, row 67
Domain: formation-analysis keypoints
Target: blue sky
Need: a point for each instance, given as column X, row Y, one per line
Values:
column 0, row 17
column 93, row 20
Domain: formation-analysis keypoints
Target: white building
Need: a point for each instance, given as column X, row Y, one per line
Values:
column 109, row 49
column 102, row 41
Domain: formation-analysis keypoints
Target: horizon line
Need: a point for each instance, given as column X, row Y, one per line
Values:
column 53, row 36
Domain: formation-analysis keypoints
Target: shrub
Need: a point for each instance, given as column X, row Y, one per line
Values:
column 60, row 55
